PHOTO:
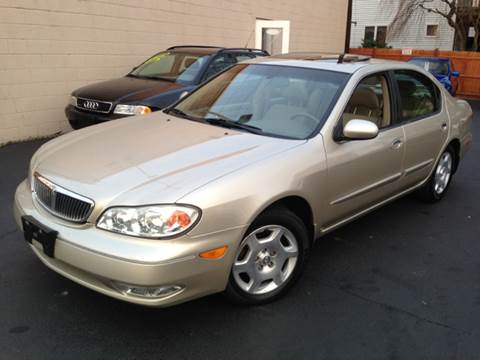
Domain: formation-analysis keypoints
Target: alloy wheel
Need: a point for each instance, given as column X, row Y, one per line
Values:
column 443, row 173
column 265, row 259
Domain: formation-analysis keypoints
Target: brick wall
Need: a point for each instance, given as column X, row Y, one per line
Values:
column 50, row 47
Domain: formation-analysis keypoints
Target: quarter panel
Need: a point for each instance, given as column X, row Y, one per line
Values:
column 460, row 115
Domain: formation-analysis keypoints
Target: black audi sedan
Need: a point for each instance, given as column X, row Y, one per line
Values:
column 156, row 83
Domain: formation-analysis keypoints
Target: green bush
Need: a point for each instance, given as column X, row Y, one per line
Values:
column 367, row 43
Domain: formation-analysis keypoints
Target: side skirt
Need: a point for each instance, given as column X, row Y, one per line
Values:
column 336, row 225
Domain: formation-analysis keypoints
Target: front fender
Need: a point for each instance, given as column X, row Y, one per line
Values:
column 239, row 197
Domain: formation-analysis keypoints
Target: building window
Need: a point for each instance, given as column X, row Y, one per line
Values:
column 381, row 35
column 369, row 33
column 432, row 30
column 375, row 36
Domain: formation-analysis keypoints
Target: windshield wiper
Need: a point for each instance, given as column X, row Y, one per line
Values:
column 151, row 77
column 181, row 114
column 163, row 78
column 222, row 120
column 220, row 116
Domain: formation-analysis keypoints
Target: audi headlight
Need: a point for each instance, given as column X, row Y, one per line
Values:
column 73, row 100
column 123, row 109
column 154, row 221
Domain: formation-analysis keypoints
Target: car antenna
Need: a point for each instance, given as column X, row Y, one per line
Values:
column 249, row 37
column 340, row 59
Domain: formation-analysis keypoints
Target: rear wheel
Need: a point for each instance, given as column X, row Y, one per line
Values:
column 437, row 186
column 269, row 259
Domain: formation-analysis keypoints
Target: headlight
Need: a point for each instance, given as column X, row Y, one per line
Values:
column 73, row 100
column 154, row 221
column 124, row 109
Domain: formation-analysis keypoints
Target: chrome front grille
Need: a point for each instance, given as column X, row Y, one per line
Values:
column 61, row 202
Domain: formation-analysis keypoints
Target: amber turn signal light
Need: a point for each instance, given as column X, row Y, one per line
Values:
column 214, row 253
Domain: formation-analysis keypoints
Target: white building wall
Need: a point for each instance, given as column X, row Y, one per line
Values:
column 413, row 35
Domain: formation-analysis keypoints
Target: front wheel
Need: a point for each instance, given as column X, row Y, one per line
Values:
column 439, row 182
column 269, row 259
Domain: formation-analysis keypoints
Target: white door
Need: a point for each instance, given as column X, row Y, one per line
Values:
column 272, row 36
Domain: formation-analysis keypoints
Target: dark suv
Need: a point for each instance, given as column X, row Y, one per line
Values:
column 153, row 85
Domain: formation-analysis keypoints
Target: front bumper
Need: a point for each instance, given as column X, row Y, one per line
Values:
column 79, row 118
column 132, row 261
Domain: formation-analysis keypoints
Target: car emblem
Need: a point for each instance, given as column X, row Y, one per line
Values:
column 92, row 105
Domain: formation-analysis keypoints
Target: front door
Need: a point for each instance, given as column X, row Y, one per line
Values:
column 364, row 172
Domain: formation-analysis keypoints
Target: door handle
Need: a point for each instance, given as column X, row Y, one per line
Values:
column 444, row 126
column 397, row 144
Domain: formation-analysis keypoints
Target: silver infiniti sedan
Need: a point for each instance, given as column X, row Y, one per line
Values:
column 226, row 190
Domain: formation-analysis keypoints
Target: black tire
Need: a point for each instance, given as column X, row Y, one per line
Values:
column 276, row 216
column 427, row 192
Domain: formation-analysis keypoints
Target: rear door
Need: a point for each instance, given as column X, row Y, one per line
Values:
column 424, row 123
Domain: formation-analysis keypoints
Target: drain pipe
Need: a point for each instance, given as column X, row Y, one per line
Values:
column 349, row 26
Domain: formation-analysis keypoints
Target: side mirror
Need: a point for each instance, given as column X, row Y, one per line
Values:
column 360, row 130
column 455, row 74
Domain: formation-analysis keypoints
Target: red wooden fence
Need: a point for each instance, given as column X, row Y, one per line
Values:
column 466, row 62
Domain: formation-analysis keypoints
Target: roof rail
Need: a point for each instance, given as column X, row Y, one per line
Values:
column 220, row 48
column 340, row 58
column 195, row 46
column 246, row 49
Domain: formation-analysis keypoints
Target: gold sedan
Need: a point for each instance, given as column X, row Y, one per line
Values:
column 227, row 189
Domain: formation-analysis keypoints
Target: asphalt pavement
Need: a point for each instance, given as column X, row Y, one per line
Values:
column 400, row 283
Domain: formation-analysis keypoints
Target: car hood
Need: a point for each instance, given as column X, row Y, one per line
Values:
column 126, row 89
column 149, row 159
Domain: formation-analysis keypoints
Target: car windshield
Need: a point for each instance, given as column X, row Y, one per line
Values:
column 282, row 101
column 171, row 66
column 435, row 67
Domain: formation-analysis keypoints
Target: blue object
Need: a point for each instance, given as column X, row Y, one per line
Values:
column 441, row 68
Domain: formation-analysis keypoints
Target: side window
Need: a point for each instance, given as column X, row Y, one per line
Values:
column 219, row 63
column 370, row 101
column 419, row 96
column 244, row 56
